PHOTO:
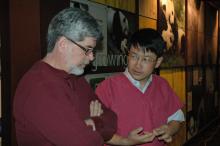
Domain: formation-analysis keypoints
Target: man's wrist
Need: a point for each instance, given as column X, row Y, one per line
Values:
column 173, row 127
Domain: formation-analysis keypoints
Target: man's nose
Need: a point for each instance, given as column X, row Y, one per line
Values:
column 91, row 56
column 139, row 62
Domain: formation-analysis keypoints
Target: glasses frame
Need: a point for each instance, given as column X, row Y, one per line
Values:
column 148, row 61
column 86, row 50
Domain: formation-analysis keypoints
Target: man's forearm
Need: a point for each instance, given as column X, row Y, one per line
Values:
column 174, row 127
column 106, row 124
column 119, row 140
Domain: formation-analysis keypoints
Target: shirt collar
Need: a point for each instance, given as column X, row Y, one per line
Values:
column 137, row 83
column 57, row 72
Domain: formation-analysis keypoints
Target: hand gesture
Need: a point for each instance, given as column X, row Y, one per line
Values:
column 163, row 133
column 138, row 136
column 95, row 108
column 90, row 122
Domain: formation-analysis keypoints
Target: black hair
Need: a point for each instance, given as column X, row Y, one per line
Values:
column 148, row 39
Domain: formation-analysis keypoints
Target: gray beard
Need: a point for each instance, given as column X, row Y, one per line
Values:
column 76, row 70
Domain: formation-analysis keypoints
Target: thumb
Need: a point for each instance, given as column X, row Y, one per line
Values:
column 137, row 130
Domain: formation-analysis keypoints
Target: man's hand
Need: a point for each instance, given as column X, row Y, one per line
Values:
column 135, row 137
column 90, row 122
column 138, row 136
column 95, row 109
column 163, row 133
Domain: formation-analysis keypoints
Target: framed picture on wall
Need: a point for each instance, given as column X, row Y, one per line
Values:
column 211, row 100
column 128, row 5
column 171, row 25
column 121, row 24
column 195, row 114
column 117, row 26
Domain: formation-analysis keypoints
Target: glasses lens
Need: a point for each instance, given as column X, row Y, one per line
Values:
column 89, row 51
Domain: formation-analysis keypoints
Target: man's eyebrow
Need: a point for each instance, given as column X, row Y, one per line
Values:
column 89, row 46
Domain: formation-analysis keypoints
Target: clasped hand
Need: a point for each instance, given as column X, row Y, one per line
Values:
column 138, row 136
column 163, row 133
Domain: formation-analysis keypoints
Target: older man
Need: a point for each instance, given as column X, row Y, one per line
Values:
column 53, row 106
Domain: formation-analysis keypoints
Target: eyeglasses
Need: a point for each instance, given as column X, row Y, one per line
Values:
column 87, row 50
column 144, row 60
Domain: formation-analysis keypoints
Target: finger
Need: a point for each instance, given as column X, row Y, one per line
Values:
column 145, row 137
column 96, row 108
column 148, row 134
column 148, row 137
column 99, row 110
column 168, row 140
column 164, row 137
column 137, row 130
column 93, row 127
column 92, row 108
column 90, row 123
column 158, row 132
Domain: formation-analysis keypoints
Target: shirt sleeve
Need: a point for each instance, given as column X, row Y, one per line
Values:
column 172, row 101
column 50, row 112
column 177, row 116
column 106, row 124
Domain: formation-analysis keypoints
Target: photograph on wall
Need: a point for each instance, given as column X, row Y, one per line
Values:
column 202, row 98
column 195, row 116
column 121, row 25
column 211, row 96
column 196, row 33
column 148, row 8
column 171, row 25
column 129, row 5
column 190, row 118
column 99, row 12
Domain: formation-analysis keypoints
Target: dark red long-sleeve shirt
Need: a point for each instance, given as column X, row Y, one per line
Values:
column 50, row 107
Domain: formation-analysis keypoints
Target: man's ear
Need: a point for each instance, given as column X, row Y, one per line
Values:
column 159, row 61
column 61, row 43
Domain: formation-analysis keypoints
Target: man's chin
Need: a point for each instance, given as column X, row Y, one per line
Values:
column 77, row 71
column 78, row 74
column 136, row 77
